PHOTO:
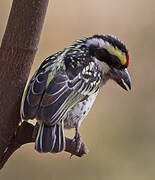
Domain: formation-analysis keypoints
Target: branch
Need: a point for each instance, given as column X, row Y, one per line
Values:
column 25, row 134
column 17, row 52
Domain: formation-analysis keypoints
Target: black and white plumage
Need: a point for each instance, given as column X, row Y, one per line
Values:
column 64, row 88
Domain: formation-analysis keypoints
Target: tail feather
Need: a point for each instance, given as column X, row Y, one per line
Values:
column 50, row 138
column 59, row 143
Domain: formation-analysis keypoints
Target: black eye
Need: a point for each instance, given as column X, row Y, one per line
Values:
column 105, row 56
column 114, row 62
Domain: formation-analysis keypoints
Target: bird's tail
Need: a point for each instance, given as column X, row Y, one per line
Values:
column 50, row 138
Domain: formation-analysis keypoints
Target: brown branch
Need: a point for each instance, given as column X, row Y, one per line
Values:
column 25, row 135
column 17, row 53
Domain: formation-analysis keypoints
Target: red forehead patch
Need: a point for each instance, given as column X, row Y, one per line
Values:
column 127, row 58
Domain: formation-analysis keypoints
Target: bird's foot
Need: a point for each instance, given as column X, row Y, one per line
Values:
column 77, row 140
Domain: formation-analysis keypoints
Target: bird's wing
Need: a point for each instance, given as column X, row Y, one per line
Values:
column 62, row 93
column 35, row 89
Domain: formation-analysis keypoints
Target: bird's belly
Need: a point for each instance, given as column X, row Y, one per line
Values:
column 76, row 115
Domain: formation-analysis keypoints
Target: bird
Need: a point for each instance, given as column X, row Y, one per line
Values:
column 63, row 89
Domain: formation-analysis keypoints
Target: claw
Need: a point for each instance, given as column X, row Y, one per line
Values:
column 71, row 156
column 78, row 144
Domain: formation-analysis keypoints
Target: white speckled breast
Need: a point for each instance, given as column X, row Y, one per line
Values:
column 77, row 114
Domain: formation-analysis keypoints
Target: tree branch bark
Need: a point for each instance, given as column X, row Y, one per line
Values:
column 17, row 52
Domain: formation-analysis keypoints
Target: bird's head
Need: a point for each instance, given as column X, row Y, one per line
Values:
column 112, row 57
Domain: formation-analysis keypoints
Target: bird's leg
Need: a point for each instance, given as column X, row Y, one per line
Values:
column 77, row 140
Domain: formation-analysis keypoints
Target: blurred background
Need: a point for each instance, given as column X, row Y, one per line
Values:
column 120, row 129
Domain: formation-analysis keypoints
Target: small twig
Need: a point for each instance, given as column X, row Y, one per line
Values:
column 26, row 133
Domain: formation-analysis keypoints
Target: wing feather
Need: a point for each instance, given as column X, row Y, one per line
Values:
column 50, row 95
column 32, row 95
column 62, row 94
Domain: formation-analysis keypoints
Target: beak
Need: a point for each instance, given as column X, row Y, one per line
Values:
column 122, row 78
